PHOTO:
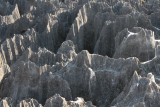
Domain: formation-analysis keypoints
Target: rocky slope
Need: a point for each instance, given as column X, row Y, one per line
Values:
column 79, row 53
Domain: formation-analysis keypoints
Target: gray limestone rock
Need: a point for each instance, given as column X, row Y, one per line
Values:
column 88, row 75
column 11, row 49
column 157, row 51
column 108, row 33
column 152, row 66
column 58, row 101
column 140, row 92
column 8, row 16
column 112, row 78
column 6, row 102
column 18, row 27
column 45, row 48
column 82, row 29
column 17, row 48
column 144, row 21
column 137, row 42
column 155, row 19
column 27, row 80
column 99, row 22
column 80, row 77
column 53, row 29
column 29, row 103
column 122, row 8
column 54, row 101
column 4, row 70
column 42, row 56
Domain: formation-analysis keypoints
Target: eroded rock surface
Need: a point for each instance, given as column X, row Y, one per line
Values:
column 27, row 80
column 140, row 92
column 137, row 42
column 9, row 14
column 97, row 76
column 58, row 101
column 72, row 53
column 6, row 102
column 29, row 103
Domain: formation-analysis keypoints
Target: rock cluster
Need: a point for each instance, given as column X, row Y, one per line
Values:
column 79, row 53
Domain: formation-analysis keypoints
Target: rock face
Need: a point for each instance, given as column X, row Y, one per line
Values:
column 58, row 101
column 37, row 83
column 42, row 56
column 6, row 102
column 4, row 70
column 85, row 73
column 29, row 103
column 82, row 30
column 137, row 42
column 72, row 53
column 154, row 19
column 12, row 48
column 109, row 31
column 141, row 92
column 8, row 16
column 54, row 101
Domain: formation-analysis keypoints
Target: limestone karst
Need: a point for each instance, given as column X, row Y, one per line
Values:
column 79, row 53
